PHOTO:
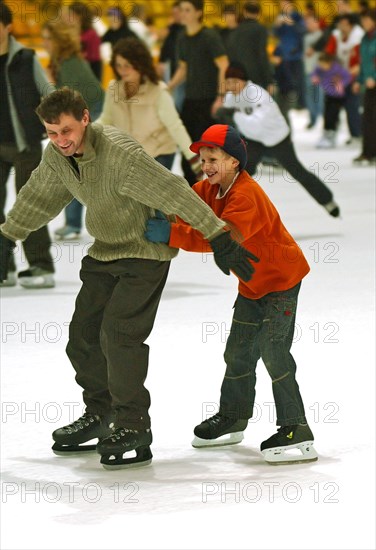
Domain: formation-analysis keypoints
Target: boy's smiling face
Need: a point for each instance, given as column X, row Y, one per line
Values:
column 219, row 167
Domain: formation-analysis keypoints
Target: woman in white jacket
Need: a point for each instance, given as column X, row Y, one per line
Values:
column 138, row 103
column 257, row 117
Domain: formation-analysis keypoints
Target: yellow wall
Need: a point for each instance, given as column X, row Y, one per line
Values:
column 30, row 14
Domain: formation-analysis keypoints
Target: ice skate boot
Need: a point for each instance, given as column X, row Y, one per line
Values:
column 68, row 439
column 124, row 440
column 36, row 277
column 328, row 140
column 290, row 445
column 11, row 280
column 333, row 209
column 363, row 160
column 211, row 432
column 67, row 233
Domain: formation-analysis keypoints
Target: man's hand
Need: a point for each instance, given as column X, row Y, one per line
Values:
column 158, row 229
column 228, row 254
column 6, row 247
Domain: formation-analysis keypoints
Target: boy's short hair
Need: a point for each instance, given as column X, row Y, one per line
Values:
column 63, row 101
column 6, row 16
column 236, row 70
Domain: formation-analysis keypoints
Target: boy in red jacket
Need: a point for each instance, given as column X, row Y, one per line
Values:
column 265, row 309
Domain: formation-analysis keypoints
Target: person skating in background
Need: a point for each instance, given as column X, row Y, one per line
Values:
column 168, row 58
column 247, row 44
column 230, row 18
column 314, row 95
column 289, row 28
column 258, row 118
column 23, row 83
column 344, row 44
column 334, row 79
column 81, row 16
column 138, row 103
column 123, row 274
column 202, row 62
column 118, row 27
column 367, row 79
column 67, row 67
column 265, row 309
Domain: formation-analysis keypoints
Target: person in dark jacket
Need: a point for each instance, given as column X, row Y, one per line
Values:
column 247, row 45
column 22, row 85
column 119, row 27
column 367, row 79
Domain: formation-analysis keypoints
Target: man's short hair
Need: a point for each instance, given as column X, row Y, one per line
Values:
column 63, row 101
column 252, row 7
column 197, row 4
column 6, row 16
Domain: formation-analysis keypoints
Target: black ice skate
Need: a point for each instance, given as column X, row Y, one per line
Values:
column 122, row 441
column 68, row 439
column 363, row 160
column 291, row 444
column 211, row 431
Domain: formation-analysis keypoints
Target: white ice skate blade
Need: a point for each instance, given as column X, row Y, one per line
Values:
column 227, row 439
column 291, row 454
column 130, row 459
column 129, row 466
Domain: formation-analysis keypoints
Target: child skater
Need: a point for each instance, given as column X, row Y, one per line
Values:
column 259, row 120
column 265, row 308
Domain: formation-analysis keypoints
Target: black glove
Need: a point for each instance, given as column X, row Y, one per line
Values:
column 228, row 254
column 6, row 247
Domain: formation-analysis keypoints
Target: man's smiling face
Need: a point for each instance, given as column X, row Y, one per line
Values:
column 67, row 134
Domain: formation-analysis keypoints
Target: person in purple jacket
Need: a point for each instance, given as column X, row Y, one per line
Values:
column 333, row 78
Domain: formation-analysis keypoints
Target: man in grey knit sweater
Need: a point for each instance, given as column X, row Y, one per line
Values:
column 123, row 274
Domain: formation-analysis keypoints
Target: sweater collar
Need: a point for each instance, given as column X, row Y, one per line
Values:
column 90, row 138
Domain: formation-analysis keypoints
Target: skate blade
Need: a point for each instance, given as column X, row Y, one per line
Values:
column 72, row 450
column 117, row 462
column 126, row 466
column 227, row 439
column 291, row 454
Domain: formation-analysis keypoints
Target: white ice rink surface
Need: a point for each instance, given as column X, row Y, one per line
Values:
column 214, row 498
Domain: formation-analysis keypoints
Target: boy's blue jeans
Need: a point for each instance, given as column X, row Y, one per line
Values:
column 262, row 328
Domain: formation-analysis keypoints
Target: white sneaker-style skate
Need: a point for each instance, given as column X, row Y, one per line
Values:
column 328, row 140
column 36, row 277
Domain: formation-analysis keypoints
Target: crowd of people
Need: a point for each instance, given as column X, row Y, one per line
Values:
column 321, row 66
column 219, row 97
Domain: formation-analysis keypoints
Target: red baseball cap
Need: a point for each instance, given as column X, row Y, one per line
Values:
column 225, row 137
